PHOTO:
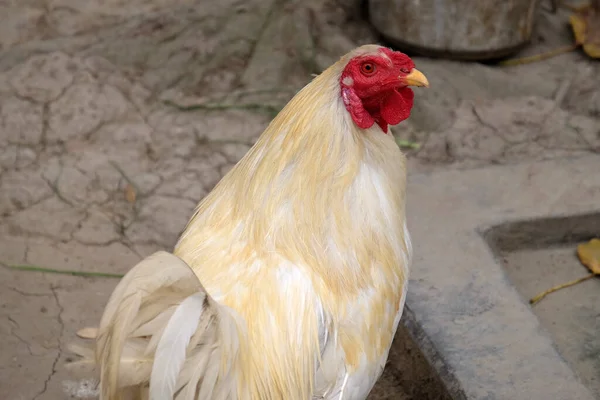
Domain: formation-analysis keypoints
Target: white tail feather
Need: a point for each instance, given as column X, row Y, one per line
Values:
column 171, row 352
column 162, row 335
column 192, row 374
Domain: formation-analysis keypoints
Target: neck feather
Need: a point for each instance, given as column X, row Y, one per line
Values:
column 303, row 186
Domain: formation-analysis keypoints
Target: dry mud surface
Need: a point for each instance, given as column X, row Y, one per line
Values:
column 85, row 120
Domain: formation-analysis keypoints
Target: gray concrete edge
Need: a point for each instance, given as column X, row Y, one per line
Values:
column 470, row 321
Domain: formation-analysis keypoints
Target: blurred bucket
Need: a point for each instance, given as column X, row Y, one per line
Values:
column 460, row 29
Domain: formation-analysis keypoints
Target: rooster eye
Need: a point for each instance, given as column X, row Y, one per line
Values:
column 367, row 68
column 404, row 70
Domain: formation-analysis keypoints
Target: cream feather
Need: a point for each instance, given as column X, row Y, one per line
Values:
column 304, row 249
column 171, row 352
column 159, row 313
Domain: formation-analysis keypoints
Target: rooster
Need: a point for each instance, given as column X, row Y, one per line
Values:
column 290, row 278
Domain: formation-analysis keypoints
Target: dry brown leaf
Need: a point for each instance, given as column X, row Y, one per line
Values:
column 589, row 255
column 130, row 193
column 87, row 333
column 585, row 23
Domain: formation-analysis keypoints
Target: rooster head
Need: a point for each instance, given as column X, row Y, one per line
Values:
column 375, row 87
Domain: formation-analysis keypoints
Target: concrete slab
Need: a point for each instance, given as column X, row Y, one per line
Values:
column 569, row 315
column 97, row 171
column 490, row 343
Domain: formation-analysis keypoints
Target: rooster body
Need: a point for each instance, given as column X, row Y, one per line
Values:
column 290, row 279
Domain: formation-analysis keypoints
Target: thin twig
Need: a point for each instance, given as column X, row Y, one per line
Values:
column 34, row 268
column 574, row 8
column 271, row 110
column 540, row 296
column 560, row 94
column 240, row 94
column 540, row 57
column 121, row 171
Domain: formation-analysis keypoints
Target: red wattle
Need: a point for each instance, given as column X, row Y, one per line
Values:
column 388, row 108
column 395, row 108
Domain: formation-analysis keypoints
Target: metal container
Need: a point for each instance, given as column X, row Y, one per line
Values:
column 461, row 29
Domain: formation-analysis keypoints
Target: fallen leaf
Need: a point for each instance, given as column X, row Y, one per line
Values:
column 87, row 333
column 589, row 255
column 130, row 193
column 585, row 23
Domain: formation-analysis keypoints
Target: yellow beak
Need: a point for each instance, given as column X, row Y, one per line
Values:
column 416, row 78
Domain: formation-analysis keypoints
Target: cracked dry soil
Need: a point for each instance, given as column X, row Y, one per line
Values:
column 98, row 171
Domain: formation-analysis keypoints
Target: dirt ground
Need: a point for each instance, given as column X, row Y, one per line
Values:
column 98, row 168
